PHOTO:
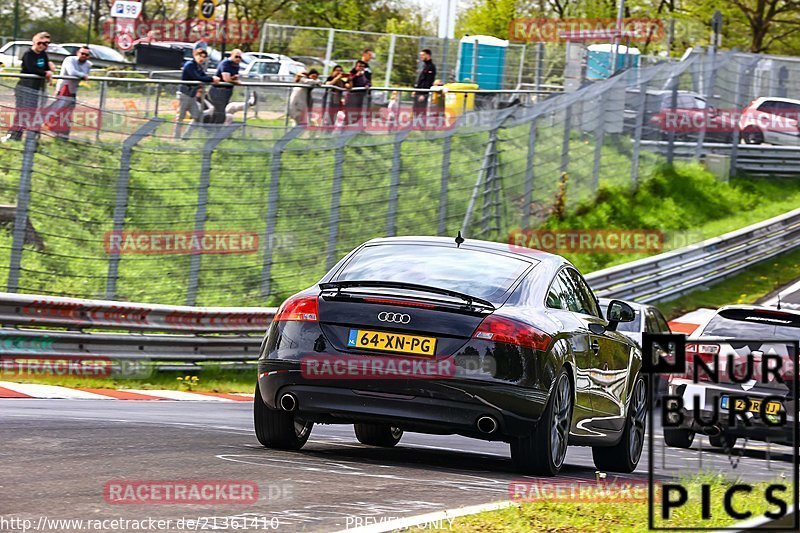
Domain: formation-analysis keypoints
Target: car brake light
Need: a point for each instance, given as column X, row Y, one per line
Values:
column 298, row 309
column 401, row 303
column 509, row 331
column 706, row 353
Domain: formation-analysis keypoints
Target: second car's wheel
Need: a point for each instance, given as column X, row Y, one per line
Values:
column 279, row 429
column 624, row 456
column 543, row 451
column 752, row 135
column 726, row 442
column 678, row 437
column 378, row 435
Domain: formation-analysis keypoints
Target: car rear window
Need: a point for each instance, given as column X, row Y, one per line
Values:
column 754, row 324
column 481, row 274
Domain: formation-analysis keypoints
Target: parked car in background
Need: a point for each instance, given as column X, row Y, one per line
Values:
column 11, row 52
column 214, row 55
column 272, row 70
column 771, row 120
column 97, row 51
column 315, row 62
column 685, row 117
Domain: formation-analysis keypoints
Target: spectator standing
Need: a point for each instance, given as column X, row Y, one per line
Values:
column 366, row 56
column 193, row 70
column 427, row 76
column 227, row 71
column 77, row 66
column 300, row 98
column 359, row 84
column 28, row 91
column 335, row 97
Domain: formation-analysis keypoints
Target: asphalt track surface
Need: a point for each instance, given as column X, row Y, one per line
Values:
column 57, row 455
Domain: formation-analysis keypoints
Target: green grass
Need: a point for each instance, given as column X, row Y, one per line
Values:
column 211, row 379
column 746, row 287
column 614, row 517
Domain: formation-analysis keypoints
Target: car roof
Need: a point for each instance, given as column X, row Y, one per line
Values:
column 758, row 308
column 777, row 99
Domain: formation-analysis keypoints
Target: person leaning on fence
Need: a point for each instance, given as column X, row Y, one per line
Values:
column 193, row 70
column 366, row 56
column 227, row 71
column 334, row 101
column 424, row 81
column 359, row 84
column 300, row 99
column 28, row 91
column 59, row 113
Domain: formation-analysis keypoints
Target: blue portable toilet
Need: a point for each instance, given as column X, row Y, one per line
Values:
column 598, row 60
column 491, row 61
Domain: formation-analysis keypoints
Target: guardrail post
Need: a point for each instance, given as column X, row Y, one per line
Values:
column 158, row 99
column 328, row 52
column 394, row 183
column 526, row 212
column 671, row 133
column 100, row 107
column 336, row 198
column 443, row 188
column 121, row 207
column 21, row 212
column 637, row 135
column 202, row 203
column 565, row 138
column 272, row 205
column 390, row 59
column 599, row 138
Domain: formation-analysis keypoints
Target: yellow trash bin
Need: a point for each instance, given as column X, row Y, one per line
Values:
column 457, row 103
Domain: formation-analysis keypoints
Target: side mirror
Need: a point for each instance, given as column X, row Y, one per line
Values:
column 619, row 311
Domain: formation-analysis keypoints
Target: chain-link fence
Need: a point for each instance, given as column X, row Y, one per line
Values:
column 252, row 211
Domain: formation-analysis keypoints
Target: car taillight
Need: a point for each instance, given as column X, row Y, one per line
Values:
column 499, row 329
column 706, row 352
column 298, row 309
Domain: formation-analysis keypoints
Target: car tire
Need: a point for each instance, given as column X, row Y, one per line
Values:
column 624, row 456
column 726, row 442
column 279, row 429
column 534, row 453
column 752, row 135
column 378, row 435
column 678, row 437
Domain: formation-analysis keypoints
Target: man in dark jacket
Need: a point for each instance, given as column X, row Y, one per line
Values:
column 227, row 71
column 193, row 70
column 359, row 85
column 424, row 81
column 28, row 91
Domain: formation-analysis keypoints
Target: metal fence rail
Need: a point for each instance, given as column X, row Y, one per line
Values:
column 754, row 159
column 680, row 271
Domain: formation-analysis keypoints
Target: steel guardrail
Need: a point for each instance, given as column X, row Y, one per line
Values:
column 677, row 272
column 755, row 159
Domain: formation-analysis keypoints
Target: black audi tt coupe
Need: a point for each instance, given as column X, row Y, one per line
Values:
column 481, row 339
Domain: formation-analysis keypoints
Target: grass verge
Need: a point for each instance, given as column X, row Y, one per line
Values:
column 618, row 516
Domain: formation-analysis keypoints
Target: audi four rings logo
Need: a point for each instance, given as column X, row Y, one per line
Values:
column 399, row 318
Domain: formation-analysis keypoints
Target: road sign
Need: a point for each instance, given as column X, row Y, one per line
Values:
column 206, row 9
column 124, row 41
column 126, row 9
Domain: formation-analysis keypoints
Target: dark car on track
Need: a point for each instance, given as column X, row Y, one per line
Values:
column 520, row 349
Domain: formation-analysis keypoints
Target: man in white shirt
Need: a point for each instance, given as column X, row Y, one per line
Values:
column 60, row 111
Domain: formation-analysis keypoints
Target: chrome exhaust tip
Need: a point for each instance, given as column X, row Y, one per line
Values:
column 487, row 424
column 288, row 402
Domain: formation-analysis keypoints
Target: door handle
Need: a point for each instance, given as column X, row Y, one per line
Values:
column 595, row 346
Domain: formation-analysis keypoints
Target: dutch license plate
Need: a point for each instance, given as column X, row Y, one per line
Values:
column 391, row 342
column 773, row 408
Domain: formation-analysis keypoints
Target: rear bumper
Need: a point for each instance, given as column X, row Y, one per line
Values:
column 711, row 419
column 427, row 406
